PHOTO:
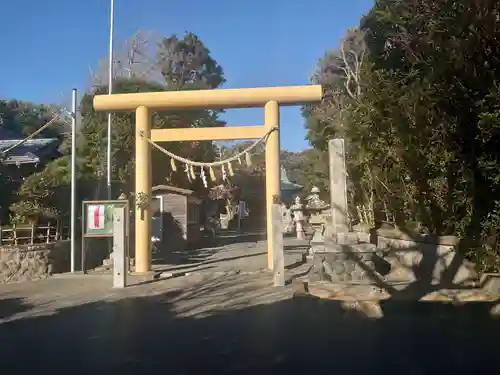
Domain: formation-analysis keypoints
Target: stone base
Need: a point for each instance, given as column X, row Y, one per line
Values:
column 145, row 276
column 342, row 263
column 108, row 262
column 491, row 283
column 317, row 243
column 392, row 259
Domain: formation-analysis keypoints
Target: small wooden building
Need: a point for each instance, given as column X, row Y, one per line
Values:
column 176, row 217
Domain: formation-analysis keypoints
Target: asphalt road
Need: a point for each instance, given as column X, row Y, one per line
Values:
column 138, row 333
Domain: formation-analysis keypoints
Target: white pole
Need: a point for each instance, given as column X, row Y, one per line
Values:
column 110, row 91
column 73, row 177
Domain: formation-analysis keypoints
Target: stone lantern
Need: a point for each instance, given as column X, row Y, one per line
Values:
column 318, row 211
column 297, row 209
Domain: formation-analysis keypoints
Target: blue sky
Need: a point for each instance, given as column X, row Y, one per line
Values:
column 48, row 46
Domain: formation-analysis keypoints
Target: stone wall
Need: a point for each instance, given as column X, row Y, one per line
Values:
column 412, row 253
column 33, row 262
column 391, row 255
column 338, row 263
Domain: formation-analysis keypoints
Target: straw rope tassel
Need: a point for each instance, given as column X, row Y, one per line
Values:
column 230, row 169
column 224, row 174
column 212, row 174
column 172, row 164
column 191, row 171
column 248, row 159
column 203, row 177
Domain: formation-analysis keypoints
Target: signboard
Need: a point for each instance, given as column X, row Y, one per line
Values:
column 98, row 217
column 97, row 222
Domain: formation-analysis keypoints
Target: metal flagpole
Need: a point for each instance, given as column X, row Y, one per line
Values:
column 110, row 91
column 73, row 177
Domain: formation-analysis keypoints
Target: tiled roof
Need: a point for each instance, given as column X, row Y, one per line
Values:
column 27, row 153
column 171, row 189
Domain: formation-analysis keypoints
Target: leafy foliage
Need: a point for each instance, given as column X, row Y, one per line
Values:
column 186, row 64
column 45, row 193
column 422, row 132
column 19, row 119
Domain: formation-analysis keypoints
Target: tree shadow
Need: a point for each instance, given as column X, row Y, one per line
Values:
column 174, row 246
column 183, row 332
column 431, row 273
column 191, row 260
column 12, row 306
column 228, row 237
column 201, row 251
column 203, row 262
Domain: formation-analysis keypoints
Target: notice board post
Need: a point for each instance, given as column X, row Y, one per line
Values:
column 119, row 246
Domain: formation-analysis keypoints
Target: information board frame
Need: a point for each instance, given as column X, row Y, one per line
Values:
column 107, row 227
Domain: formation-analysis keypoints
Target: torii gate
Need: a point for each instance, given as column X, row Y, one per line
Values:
column 142, row 103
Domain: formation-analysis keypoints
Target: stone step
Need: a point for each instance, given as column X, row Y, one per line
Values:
column 343, row 238
column 398, row 271
column 108, row 262
column 330, row 247
column 490, row 282
column 346, row 238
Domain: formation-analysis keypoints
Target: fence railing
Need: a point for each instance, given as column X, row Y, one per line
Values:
column 26, row 234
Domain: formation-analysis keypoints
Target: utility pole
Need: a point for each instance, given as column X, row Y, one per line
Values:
column 110, row 91
column 73, row 177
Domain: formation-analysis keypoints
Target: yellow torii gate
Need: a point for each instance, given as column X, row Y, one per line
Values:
column 142, row 103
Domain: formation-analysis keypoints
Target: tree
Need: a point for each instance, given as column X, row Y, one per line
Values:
column 19, row 119
column 186, row 64
column 439, row 96
column 339, row 72
column 307, row 168
column 136, row 58
column 45, row 194
column 92, row 151
column 421, row 120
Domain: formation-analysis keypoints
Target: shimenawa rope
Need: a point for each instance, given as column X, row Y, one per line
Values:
column 215, row 163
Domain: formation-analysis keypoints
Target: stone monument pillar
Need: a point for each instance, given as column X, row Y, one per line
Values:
column 338, row 185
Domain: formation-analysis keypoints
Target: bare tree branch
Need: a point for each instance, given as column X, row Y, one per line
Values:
column 352, row 61
column 135, row 58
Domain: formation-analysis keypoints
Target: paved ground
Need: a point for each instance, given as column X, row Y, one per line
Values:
column 230, row 252
column 220, row 322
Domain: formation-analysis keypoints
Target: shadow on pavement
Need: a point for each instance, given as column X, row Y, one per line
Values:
column 204, row 249
column 300, row 335
column 11, row 306
column 206, row 262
